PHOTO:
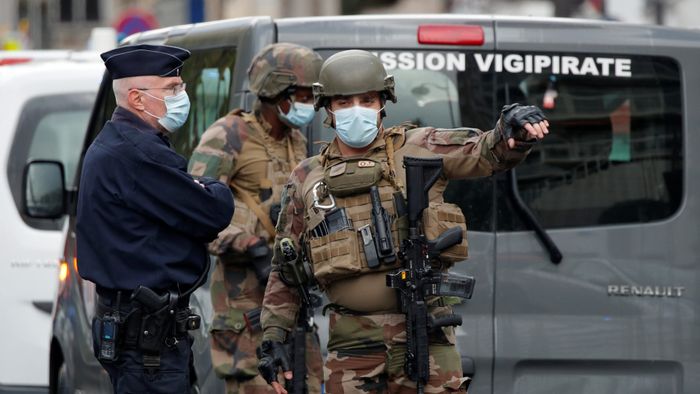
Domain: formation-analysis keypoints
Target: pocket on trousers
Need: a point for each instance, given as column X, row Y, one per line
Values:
column 233, row 354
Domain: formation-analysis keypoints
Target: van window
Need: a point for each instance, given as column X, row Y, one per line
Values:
column 208, row 77
column 615, row 152
column 456, row 95
column 50, row 128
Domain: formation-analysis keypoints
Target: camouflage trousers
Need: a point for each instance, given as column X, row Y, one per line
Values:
column 234, row 359
column 366, row 355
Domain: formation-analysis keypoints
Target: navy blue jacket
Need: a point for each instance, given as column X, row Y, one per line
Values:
column 142, row 220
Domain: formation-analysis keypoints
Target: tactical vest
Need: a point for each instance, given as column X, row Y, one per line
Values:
column 265, row 193
column 343, row 183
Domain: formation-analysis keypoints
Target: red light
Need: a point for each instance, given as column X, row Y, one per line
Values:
column 15, row 60
column 451, row 34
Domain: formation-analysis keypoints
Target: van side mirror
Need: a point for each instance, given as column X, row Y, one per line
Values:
column 43, row 192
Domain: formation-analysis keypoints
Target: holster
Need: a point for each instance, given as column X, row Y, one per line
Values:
column 148, row 327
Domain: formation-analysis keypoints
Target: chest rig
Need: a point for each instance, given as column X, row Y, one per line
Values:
column 354, row 214
column 277, row 162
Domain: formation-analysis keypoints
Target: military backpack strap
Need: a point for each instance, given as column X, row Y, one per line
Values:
column 257, row 210
column 391, row 136
column 290, row 153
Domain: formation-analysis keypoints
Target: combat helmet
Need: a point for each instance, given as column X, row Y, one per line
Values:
column 277, row 67
column 352, row 72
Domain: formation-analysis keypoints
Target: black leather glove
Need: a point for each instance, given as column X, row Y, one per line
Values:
column 272, row 355
column 515, row 117
column 260, row 260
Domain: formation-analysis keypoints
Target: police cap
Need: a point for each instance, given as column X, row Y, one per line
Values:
column 144, row 59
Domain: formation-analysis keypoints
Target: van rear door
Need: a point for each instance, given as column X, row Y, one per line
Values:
column 437, row 85
column 614, row 187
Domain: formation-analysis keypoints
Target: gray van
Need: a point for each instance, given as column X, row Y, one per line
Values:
column 585, row 255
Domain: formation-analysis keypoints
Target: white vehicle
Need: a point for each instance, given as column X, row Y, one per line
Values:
column 21, row 57
column 46, row 106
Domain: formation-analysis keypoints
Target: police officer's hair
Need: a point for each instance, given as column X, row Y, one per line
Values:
column 121, row 90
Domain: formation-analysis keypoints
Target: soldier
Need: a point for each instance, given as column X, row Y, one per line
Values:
column 143, row 223
column 367, row 335
column 254, row 153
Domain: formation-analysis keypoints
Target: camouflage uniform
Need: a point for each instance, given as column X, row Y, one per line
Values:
column 367, row 332
column 238, row 150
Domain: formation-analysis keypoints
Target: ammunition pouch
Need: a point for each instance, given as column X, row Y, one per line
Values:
column 335, row 220
column 346, row 242
column 336, row 256
column 352, row 176
column 438, row 218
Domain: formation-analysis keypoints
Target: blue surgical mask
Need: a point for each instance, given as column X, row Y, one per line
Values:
column 356, row 126
column 300, row 114
column 177, row 109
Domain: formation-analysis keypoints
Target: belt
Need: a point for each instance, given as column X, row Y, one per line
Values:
column 111, row 294
column 108, row 297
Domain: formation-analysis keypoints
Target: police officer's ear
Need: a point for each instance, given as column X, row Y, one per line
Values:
column 135, row 99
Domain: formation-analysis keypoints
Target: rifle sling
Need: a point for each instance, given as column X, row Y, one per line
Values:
column 257, row 210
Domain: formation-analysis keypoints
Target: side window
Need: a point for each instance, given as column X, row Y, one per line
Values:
column 615, row 151
column 50, row 128
column 442, row 89
column 208, row 76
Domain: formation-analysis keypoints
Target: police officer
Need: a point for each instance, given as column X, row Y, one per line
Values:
column 143, row 223
column 367, row 335
column 254, row 152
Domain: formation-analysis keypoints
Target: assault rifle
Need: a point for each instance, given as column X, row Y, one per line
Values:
column 304, row 320
column 417, row 279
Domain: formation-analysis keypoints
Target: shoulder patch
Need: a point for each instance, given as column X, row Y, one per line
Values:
column 305, row 167
column 458, row 136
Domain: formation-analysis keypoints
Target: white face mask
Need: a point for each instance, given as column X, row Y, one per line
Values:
column 299, row 114
column 356, row 126
column 177, row 109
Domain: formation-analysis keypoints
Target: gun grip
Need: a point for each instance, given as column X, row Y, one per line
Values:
column 149, row 298
column 445, row 321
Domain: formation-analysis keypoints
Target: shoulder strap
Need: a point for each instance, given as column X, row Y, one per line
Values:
column 257, row 210
column 392, row 137
column 252, row 121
